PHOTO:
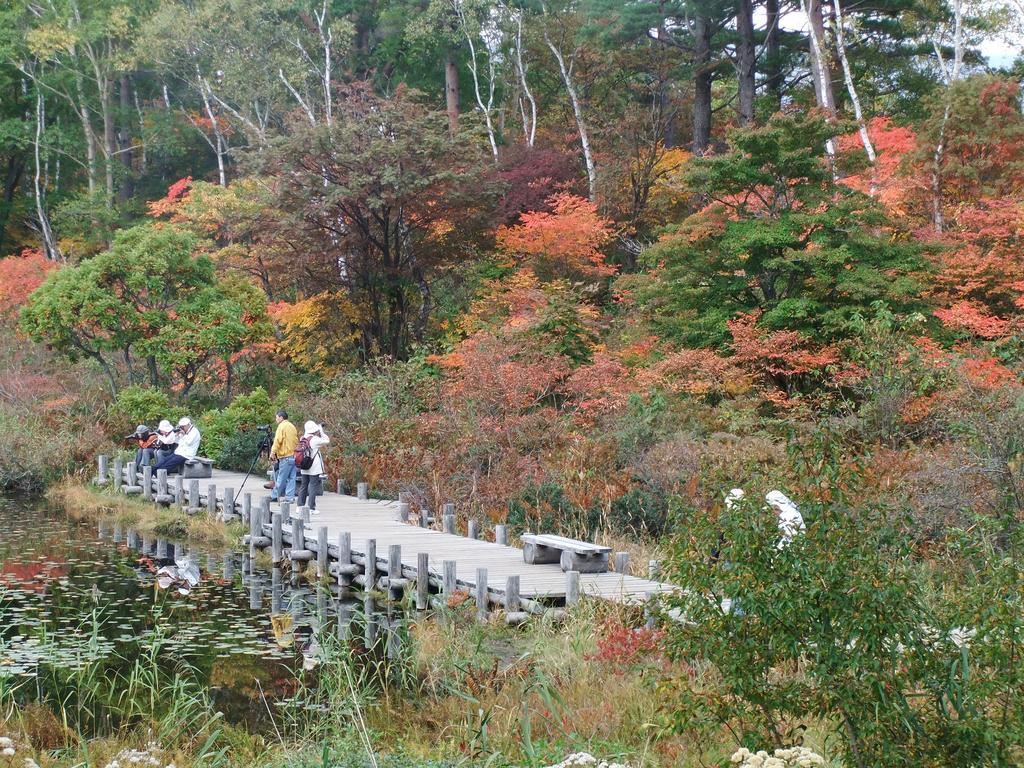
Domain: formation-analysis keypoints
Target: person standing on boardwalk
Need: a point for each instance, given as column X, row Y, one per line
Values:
column 286, row 438
column 310, row 464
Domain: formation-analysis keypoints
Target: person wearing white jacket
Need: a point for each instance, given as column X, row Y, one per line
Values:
column 310, row 483
column 188, row 446
column 791, row 522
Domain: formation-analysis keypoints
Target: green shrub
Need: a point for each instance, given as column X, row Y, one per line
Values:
column 244, row 414
column 238, row 451
column 640, row 511
column 140, row 405
column 838, row 627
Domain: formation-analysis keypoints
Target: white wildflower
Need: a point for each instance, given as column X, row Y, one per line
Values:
column 793, row 757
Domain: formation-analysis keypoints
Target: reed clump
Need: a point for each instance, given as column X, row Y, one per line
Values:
column 89, row 503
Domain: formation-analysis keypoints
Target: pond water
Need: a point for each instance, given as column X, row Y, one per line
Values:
column 77, row 596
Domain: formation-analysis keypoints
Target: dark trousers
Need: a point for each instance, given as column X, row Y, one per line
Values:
column 310, row 486
column 172, row 463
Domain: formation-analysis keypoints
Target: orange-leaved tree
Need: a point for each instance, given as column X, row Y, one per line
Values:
column 19, row 276
column 565, row 243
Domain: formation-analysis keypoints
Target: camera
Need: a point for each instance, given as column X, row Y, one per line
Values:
column 263, row 428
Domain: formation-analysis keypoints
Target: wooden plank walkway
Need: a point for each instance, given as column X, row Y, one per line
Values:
column 380, row 520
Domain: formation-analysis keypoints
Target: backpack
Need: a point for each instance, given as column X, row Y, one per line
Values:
column 303, row 454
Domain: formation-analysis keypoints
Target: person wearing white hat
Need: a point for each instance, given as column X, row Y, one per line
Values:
column 310, row 483
column 166, row 440
column 791, row 522
column 188, row 446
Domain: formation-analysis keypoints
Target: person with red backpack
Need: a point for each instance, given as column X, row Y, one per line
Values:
column 310, row 464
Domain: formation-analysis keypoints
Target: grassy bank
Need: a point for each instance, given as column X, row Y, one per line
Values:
column 458, row 693
column 87, row 502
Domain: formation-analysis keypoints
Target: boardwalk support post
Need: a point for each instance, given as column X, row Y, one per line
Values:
column 501, row 534
column 396, row 583
column 572, row 587
column 321, row 552
column 481, row 594
column 247, row 514
column 450, row 582
column 422, row 581
column 341, row 487
column 449, row 524
column 228, row 510
column 369, row 577
column 163, row 495
column 403, row 511
column 147, row 482
column 133, row 479
column 363, row 491
column 472, row 529
column 179, row 491
column 514, row 613
column 193, row 497
column 102, row 473
column 118, row 477
column 622, row 563
column 211, row 500
column 277, row 538
column 346, row 568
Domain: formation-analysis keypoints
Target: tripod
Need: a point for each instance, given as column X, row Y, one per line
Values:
column 262, row 448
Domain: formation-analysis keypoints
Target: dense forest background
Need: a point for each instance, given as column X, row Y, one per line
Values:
column 533, row 255
column 578, row 266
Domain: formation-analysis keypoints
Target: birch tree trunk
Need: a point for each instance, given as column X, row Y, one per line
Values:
column 487, row 108
column 850, row 87
column 529, row 121
column 950, row 75
column 577, row 110
column 50, row 249
column 819, row 65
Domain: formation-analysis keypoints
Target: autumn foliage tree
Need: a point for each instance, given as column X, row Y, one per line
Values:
column 19, row 276
column 779, row 238
column 565, row 242
column 149, row 302
column 380, row 205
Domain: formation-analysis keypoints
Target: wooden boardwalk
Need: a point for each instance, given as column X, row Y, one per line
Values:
column 380, row 520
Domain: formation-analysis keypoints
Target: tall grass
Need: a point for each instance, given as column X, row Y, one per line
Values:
column 144, row 687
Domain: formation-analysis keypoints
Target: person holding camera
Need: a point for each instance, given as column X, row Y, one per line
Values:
column 166, row 440
column 282, row 453
column 146, row 442
column 188, row 446
column 311, row 464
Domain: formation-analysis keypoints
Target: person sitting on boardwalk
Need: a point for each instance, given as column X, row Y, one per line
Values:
column 791, row 522
column 310, row 464
column 188, row 446
column 286, row 438
column 146, row 442
column 166, row 440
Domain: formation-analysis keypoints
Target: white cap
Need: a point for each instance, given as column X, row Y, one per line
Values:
column 165, row 426
column 311, row 427
column 184, row 421
column 734, row 497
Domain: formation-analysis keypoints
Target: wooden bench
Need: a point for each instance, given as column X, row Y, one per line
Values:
column 199, row 468
column 573, row 555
